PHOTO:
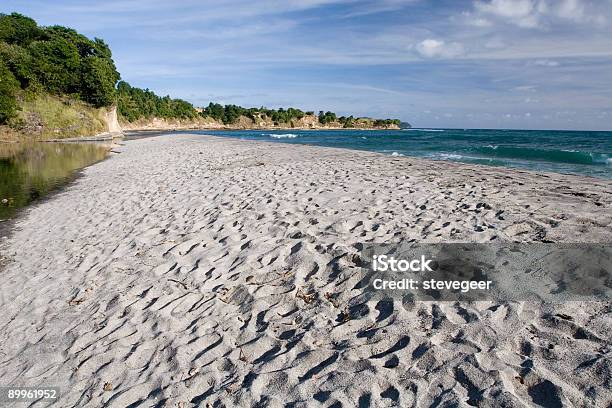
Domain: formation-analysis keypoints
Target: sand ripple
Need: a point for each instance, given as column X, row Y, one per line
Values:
column 191, row 270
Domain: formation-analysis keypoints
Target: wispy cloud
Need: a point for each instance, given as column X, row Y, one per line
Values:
column 538, row 13
column 432, row 48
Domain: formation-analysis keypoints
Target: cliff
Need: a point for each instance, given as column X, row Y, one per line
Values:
column 262, row 122
column 45, row 117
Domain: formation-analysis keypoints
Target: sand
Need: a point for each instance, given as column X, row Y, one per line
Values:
column 189, row 270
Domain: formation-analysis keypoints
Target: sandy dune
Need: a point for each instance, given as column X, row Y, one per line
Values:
column 188, row 270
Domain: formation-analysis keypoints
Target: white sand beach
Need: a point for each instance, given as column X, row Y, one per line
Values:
column 190, row 270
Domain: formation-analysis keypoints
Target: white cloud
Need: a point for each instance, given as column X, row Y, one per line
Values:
column 525, row 88
column 536, row 13
column 523, row 13
column 378, row 6
column 546, row 63
column 571, row 9
column 495, row 43
column 432, row 48
column 476, row 21
column 481, row 22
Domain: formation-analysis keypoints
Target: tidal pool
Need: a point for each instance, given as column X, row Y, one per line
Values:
column 30, row 171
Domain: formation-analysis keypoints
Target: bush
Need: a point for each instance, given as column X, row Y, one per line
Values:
column 19, row 62
column 8, row 88
column 327, row 117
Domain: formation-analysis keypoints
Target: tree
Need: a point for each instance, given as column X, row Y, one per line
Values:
column 98, row 73
column 8, row 87
column 232, row 113
column 135, row 103
column 327, row 117
column 18, row 29
column 215, row 111
column 57, row 60
column 19, row 62
column 98, row 78
column 56, row 64
column 349, row 122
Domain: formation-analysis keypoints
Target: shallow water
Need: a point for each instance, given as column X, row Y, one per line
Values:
column 575, row 152
column 30, row 171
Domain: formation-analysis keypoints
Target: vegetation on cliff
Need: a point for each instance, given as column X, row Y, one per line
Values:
column 135, row 103
column 54, row 81
column 56, row 60
column 231, row 114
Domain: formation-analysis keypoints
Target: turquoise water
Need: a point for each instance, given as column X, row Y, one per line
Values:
column 585, row 153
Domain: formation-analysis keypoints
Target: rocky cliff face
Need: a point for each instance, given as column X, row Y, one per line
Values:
column 53, row 118
column 244, row 123
column 171, row 124
column 45, row 117
column 111, row 120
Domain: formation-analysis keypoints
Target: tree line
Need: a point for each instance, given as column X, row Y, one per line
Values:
column 59, row 61
column 230, row 114
column 135, row 103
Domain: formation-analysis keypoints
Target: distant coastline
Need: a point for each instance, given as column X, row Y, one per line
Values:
column 308, row 122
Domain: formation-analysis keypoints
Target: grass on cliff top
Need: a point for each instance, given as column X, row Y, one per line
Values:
column 44, row 117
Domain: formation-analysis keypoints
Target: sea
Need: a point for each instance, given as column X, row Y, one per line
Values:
column 587, row 153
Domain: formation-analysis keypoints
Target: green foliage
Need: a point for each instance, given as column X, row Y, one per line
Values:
column 8, row 87
column 386, row 122
column 327, row 117
column 50, row 117
column 135, row 103
column 19, row 62
column 230, row 114
column 98, row 74
column 56, row 65
column 98, row 87
column 348, row 122
column 18, row 29
column 215, row 111
column 57, row 60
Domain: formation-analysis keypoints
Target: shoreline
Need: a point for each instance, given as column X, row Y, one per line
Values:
column 126, row 128
column 201, row 269
column 56, row 186
column 101, row 137
column 485, row 167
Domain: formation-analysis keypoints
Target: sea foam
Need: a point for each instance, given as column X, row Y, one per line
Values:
column 423, row 130
column 283, row 135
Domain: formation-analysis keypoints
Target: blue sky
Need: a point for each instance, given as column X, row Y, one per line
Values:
column 479, row 63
